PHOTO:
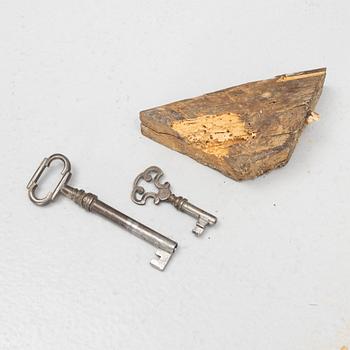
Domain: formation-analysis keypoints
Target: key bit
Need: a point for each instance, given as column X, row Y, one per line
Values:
column 165, row 246
column 164, row 194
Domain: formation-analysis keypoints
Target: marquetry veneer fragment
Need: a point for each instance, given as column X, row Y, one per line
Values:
column 243, row 131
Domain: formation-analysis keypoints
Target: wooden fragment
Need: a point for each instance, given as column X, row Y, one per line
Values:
column 243, row 131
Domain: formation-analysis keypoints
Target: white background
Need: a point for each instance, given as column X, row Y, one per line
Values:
column 274, row 273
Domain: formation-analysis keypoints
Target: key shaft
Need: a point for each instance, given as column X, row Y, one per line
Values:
column 89, row 201
column 203, row 218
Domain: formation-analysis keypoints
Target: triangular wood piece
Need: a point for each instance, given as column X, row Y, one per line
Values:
column 243, row 131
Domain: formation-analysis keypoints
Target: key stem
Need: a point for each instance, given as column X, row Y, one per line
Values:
column 90, row 202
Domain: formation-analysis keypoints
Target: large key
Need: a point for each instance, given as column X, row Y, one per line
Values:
column 140, row 196
column 165, row 246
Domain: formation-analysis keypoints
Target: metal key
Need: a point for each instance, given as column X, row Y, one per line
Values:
column 140, row 196
column 165, row 246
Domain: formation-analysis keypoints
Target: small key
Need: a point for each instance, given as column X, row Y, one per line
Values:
column 140, row 196
column 165, row 246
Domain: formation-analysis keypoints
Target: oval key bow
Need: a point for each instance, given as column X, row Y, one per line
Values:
column 33, row 183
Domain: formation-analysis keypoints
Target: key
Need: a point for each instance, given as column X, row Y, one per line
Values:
column 89, row 201
column 154, row 174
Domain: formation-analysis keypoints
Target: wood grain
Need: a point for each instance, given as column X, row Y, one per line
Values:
column 243, row 131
